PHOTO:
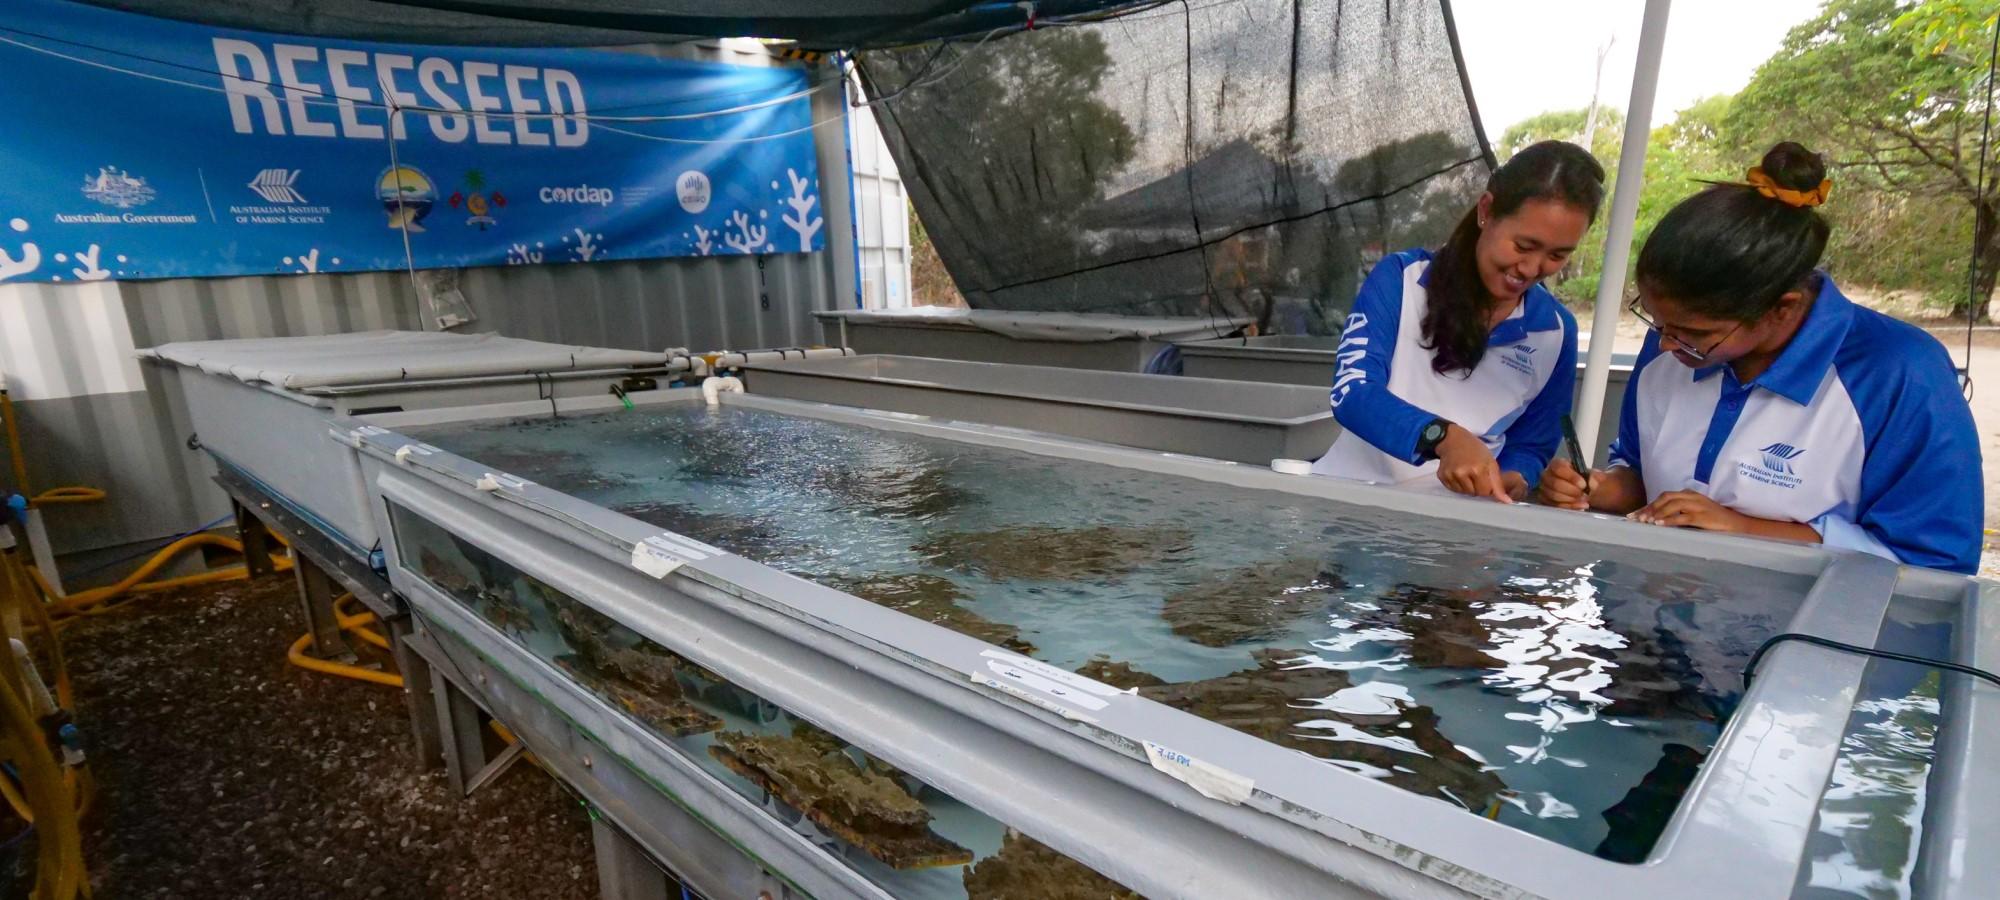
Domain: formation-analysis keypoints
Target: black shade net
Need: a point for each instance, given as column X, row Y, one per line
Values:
column 1218, row 157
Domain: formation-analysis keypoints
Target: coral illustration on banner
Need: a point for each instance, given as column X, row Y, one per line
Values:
column 520, row 255
column 307, row 264
column 801, row 218
column 29, row 260
column 706, row 240
column 90, row 271
column 747, row 238
column 587, row 247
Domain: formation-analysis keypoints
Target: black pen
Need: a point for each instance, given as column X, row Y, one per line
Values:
column 1574, row 447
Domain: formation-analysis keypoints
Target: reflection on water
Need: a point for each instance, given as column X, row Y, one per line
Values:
column 1374, row 728
column 1873, row 810
column 1560, row 688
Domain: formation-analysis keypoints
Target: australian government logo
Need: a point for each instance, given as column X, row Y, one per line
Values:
column 1776, row 466
column 284, row 204
column 121, row 190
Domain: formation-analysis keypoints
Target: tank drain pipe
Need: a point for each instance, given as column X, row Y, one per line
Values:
column 713, row 388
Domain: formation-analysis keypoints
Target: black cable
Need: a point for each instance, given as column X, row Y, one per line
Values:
column 1973, row 302
column 1750, row 671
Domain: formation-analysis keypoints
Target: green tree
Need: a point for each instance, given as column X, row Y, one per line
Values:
column 1033, row 145
column 1563, row 125
column 1679, row 155
column 1893, row 92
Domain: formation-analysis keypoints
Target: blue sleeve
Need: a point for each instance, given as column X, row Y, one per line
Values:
column 1922, row 498
column 1361, row 400
column 1534, row 437
column 1625, row 448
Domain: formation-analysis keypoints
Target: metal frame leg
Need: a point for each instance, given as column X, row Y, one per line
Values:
column 418, row 697
column 256, row 541
column 462, row 730
column 624, row 871
column 316, row 593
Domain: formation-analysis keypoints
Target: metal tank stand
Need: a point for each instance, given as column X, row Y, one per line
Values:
column 324, row 570
column 648, row 844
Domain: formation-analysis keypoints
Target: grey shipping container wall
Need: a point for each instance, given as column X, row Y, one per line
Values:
column 90, row 415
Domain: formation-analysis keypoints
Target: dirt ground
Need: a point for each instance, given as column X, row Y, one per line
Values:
column 223, row 771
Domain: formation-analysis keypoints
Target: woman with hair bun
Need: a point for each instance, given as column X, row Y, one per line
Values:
column 1766, row 403
column 1455, row 368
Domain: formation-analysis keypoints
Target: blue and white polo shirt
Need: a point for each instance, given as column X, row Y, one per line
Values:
column 1858, row 429
column 1384, row 391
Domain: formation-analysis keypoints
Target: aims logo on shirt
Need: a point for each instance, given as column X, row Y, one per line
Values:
column 1778, row 457
column 1776, row 469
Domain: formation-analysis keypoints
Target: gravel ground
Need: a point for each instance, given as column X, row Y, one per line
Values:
column 225, row 772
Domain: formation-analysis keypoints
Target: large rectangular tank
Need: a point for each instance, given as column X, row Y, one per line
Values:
column 1071, row 340
column 262, row 406
column 889, row 656
column 1221, row 419
column 1310, row 360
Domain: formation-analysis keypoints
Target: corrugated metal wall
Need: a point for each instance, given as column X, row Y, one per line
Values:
column 92, row 415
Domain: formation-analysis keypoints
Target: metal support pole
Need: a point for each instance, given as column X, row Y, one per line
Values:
column 1618, row 229
column 418, row 698
column 316, row 594
column 256, row 542
column 461, row 731
column 624, row 871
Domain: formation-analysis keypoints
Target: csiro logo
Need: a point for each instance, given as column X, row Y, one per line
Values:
column 1778, row 457
column 693, row 190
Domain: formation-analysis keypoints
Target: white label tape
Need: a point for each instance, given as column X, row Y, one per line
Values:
column 1053, row 673
column 654, row 561
column 1213, row 782
column 493, row 481
column 664, row 552
column 1065, row 693
column 688, row 548
column 1014, row 688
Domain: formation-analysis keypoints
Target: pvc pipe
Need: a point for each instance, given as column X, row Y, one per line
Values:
column 1618, row 230
column 750, row 357
column 712, row 389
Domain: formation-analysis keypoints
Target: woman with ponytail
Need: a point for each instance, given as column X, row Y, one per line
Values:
column 1766, row 403
column 1456, row 367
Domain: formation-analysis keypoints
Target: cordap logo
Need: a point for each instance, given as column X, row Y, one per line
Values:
column 1778, row 457
column 276, row 186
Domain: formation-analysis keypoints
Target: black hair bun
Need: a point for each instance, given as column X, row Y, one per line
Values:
column 1794, row 167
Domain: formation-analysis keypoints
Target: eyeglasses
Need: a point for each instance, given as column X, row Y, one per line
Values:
column 1698, row 355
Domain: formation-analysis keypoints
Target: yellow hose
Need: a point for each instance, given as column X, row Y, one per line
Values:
column 80, row 603
column 59, row 871
column 66, row 495
column 20, row 463
column 298, row 657
column 357, row 624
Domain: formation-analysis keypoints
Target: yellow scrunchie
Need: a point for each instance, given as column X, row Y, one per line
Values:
column 1769, row 188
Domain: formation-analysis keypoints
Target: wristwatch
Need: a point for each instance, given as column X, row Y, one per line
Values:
column 1428, row 440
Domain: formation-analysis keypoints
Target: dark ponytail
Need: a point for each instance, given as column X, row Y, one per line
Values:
column 1730, row 251
column 1455, row 323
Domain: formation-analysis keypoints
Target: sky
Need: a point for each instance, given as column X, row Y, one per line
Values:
column 1529, row 56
